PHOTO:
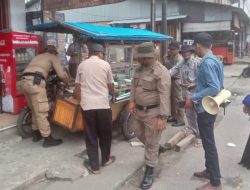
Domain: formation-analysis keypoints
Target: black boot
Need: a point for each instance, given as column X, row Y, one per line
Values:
column 36, row 136
column 148, row 178
column 50, row 141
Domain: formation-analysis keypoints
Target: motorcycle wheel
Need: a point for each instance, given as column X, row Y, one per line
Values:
column 24, row 122
column 125, row 119
column 246, row 72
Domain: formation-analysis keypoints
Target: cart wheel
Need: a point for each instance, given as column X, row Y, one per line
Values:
column 24, row 122
column 246, row 72
column 124, row 121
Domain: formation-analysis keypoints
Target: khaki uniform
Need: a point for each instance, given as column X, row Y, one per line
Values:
column 176, row 94
column 150, row 86
column 36, row 95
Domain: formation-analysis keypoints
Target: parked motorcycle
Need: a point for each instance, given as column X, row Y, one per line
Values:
column 55, row 88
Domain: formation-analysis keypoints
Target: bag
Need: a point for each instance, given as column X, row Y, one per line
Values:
column 38, row 78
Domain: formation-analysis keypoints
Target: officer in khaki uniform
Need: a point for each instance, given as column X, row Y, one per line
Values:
column 175, row 58
column 149, row 105
column 33, row 87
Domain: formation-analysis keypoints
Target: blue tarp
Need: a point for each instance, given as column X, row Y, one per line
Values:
column 100, row 32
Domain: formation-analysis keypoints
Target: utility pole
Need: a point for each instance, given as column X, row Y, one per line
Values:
column 164, row 27
column 153, row 14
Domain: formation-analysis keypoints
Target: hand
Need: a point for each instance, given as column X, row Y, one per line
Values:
column 184, row 85
column 131, row 107
column 116, row 92
column 161, row 123
column 189, row 102
column 191, row 86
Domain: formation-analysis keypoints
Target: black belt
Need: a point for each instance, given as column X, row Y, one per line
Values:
column 32, row 74
column 145, row 108
column 173, row 78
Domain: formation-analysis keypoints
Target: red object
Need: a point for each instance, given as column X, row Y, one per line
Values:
column 225, row 53
column 16, row 51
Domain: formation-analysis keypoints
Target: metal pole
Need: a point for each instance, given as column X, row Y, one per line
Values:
column 153, row 14
column 240, row 44
column 164, row 27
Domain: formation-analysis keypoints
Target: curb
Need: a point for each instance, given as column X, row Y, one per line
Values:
column 34, row 178
column 128, row 177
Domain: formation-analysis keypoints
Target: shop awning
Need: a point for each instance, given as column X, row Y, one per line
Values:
column 100, row 32
column 146, row 20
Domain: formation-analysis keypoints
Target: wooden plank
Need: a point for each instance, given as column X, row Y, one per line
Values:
column 175, row 139
column 184, row 143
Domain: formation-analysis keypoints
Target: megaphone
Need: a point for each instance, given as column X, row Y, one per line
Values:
column 211, row 104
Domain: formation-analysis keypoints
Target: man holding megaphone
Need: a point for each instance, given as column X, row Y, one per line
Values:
column 209, row 82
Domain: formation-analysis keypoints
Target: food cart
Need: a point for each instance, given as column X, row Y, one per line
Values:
column 119, row 44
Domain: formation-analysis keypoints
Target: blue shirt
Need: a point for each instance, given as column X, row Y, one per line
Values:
column 209, row 81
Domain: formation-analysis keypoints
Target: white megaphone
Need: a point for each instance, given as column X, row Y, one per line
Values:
column 211, row 104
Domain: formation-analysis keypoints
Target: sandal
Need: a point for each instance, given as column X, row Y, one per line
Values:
column 111, row 160
column 198, row 143
column 89, row 168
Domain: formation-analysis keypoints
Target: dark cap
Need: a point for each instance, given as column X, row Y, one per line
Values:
column 174, row 45
column 97, row 48
column 50, row 48
column 203, row 38
column 246, row 101
column 186, row 48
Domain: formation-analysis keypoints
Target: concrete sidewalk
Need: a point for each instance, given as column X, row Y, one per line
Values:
column 23, row 163
column 7, row 120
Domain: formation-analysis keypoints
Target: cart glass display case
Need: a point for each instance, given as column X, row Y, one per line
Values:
column 120, row 58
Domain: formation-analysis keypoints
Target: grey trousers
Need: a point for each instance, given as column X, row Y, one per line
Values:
column 191, row 116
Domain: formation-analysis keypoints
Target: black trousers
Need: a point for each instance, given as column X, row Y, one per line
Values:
column 98, row 127
column 206, row 128
column 245, row 160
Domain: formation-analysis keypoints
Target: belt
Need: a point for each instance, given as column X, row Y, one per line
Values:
column 145, row 108
column 32, row 74
column 173, row 78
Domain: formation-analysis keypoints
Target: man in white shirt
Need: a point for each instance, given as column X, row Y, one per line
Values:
column 94, row 82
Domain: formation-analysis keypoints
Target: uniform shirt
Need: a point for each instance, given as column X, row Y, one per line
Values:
column 209, row 81
column 172, row 61
column 44, row 63
column 151, row 86
column 94, row 75
column 188, row 72
column 77, row 52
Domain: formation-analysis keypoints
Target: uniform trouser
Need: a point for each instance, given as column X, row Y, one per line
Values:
column 206, row 127
column 73, row 69
column 191, row 116
column 176, row 96
column 143, row 124
column 38, row 103
column 245, row 160
column 98, row 126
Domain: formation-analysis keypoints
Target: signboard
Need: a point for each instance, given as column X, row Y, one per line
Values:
column 56, row 5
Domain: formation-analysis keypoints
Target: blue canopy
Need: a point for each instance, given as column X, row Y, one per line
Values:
column 100, row 32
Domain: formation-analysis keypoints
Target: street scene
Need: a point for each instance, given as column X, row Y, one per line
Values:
column 125, row 94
